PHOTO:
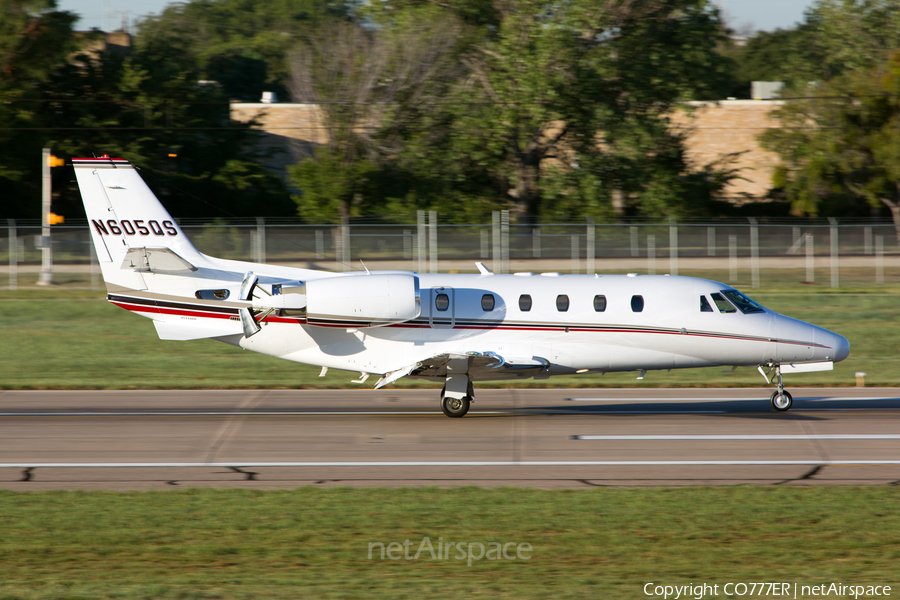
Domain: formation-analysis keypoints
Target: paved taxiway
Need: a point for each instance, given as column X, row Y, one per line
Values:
column 539, row 438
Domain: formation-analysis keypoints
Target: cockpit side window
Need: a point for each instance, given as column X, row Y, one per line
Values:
column 744, row 304
column 704, row 305
column 722, row 304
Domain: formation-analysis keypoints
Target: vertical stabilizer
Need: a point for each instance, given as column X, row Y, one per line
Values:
column 123, row 214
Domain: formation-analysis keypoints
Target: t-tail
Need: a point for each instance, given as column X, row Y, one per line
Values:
column 128, row 224
column 152, row 269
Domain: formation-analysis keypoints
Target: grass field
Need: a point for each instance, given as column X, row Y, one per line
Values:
column 65, row 338
column 313, row 543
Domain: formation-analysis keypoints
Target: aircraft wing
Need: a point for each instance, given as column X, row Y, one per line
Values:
column 481, row 365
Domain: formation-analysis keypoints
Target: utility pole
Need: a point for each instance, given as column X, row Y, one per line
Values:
column 47, row 217
column 46, row 250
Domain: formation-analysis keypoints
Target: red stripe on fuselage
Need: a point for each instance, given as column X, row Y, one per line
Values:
column 144, row 308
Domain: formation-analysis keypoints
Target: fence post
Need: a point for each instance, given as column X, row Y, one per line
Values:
column 421, row 241
column 260, row 240
column 345, row 244
column 754, row 253
column 710, row 241
column 320, row 244
column 591, row 246
column 810, row 258
column 432, row 241
column 536, row 242
column 879, row 259
column 495, row 239
column 732, row 259
column 867, row 240
column 485, row 243
column 504, row 241
column 14, row 254
column 834, row 253
column 651, row 255
column 576, row 258
column 407, row 244
column 673, row 248
column 46, row 247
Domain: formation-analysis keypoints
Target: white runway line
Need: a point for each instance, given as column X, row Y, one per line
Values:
column 802, row 436
column 761, row 397
column 300, row 413
column 486, row 463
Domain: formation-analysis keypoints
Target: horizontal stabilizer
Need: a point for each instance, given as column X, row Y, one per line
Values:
column 182, row 332
column 156, row 260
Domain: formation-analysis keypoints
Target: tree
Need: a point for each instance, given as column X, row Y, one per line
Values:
column 837, row 132
column 369, row 86
column 34, row 39
column 841, row 152
column 580, row 89
column 241, row 44
column 145, row 106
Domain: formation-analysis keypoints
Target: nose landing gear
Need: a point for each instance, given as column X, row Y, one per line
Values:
column 781, row 400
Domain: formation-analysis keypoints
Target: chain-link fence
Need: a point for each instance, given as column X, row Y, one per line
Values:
column 747, row 253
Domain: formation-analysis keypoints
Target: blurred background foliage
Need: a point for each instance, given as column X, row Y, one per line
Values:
column 555, row 111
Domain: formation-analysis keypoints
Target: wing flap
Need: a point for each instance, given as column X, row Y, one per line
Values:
column 480, row 365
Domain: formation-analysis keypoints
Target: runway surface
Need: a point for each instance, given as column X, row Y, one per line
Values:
column 538, row 438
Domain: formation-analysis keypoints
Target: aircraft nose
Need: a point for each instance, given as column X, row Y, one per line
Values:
column 841, row 348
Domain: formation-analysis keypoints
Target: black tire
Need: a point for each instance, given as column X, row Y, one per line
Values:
column 781, row 402
column 455, row 407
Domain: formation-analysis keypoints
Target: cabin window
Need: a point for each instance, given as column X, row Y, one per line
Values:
column 637, row 303
column 562, row 303
column 599, row 303
column 524, row 302
column 212, row 294
column 487, row 302
column 744, row 304
column 722, row 304
column 442, row 302
column 704, row 305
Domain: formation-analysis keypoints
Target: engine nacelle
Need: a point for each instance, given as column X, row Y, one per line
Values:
column 362, row 300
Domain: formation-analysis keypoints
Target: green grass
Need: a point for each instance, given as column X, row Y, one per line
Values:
column 73, row 339
column 313, row 543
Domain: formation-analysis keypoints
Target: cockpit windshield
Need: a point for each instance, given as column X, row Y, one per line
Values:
column 744, row 304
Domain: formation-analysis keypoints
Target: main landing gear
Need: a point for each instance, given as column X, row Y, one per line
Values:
column 454, row 406
column 781, row 400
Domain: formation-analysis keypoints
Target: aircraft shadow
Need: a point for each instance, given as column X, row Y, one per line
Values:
column 745, row 408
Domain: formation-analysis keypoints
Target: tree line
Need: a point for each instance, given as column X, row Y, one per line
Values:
column 553, row 110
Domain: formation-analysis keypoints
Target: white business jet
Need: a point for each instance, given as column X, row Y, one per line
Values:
column 455, row 329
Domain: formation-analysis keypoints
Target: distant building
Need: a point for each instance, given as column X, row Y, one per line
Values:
column 99, row 44
column 713, row 130
column 716, row 129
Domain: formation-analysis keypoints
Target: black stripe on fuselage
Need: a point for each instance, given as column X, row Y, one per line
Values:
column 177, row 305
column 422, row 322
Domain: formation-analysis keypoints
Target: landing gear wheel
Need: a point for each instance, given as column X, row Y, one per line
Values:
column 781, row 401
column 455, row 407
